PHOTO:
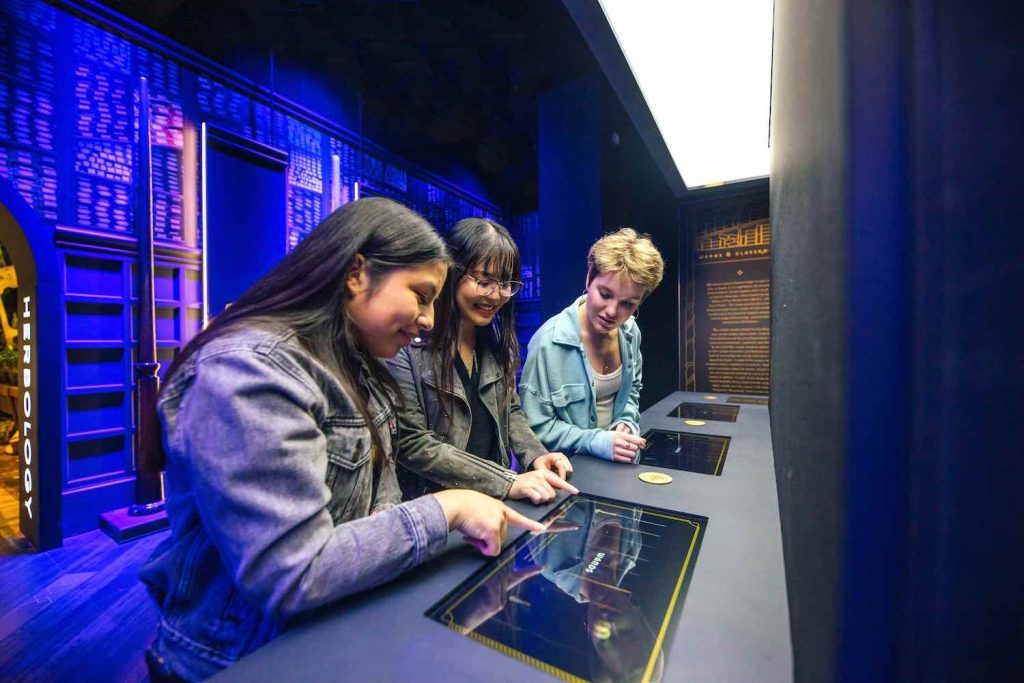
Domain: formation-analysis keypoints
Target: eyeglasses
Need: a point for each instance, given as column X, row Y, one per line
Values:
column 486, row 286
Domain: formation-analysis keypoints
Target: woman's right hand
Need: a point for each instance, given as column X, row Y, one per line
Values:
column 625, row 446
column 539, row 486
column 482, row 519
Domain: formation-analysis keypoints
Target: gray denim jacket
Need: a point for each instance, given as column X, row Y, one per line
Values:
column 432, row 445
column 274, row 505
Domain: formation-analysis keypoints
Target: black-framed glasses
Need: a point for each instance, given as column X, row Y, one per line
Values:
column 485, row 286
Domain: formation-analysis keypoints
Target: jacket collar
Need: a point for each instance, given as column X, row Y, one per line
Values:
column 567, row 327
column 487, row 366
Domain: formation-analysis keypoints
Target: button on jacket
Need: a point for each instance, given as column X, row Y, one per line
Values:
column 274, row 505
column 557, row 386
column 432, row 445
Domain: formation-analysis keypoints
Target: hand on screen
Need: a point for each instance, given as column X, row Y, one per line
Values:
column 539, row 486
column 482, row 520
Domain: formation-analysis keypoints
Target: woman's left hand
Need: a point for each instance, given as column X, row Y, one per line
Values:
column 556, row 462
column 622, row 427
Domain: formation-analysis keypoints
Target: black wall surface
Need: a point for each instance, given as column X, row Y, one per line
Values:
column 590, row 185
column 897, row 397
column 569, row 176
column 808, row 319
column 634, row 194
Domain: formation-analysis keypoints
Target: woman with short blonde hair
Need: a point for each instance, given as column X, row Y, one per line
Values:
column 581, row 383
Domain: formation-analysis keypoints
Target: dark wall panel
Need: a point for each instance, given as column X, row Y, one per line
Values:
column 964, row 612
column 808, row 337
column 569, row 174
column 246, row 201
column 635, row 194
column 897, row 382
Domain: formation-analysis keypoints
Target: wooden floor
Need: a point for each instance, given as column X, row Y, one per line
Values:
column 77, row 613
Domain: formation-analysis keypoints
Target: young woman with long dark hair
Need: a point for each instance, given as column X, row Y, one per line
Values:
column 461, row 419
column 277, row 423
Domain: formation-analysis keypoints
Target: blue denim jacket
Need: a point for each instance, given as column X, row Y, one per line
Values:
column 274, row 505
column 557, row 387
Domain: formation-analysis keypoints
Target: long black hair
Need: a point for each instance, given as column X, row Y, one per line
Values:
column 476, row 242
column 306, row 291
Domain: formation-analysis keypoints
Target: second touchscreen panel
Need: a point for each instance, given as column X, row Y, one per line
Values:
column 701, row 453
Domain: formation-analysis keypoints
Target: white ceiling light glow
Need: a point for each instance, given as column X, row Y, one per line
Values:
column 704, row 69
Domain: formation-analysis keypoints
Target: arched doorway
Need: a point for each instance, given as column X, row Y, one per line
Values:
column 33, row 374
column 12, row 541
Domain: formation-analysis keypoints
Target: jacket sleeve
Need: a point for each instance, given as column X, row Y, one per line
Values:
column 524, row 442
column 422, row 451
column 630, row 415
column 258, row 461
column 554, row 432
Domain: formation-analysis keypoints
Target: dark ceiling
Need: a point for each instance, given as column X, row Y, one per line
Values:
column 463, row 76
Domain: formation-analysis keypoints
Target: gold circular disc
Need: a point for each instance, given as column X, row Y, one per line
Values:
column 711, row 398
column 695, row 423
column 654, row 477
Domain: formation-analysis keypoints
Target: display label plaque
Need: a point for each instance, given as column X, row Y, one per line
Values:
column 700, row 453
column 596, row 597
column 749, row 400
column 705, row 411
column 731, row 312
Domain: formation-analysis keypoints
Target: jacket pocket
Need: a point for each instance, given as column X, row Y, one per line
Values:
column 348, row 447
column 349, row 471
column 568, row 394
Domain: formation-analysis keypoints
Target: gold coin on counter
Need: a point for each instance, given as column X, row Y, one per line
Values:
column 654, row 478
column 695, row 423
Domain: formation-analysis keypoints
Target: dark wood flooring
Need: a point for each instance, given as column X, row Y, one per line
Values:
column 78, row 613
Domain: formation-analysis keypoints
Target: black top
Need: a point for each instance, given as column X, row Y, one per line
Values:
column 483, row 442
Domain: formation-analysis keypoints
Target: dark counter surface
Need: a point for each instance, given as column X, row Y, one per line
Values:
column 734, row 624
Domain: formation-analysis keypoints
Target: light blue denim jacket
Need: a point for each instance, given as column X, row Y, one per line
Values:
column 557, row 387
column 274, row 506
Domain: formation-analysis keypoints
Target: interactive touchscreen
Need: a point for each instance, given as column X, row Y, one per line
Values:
column 705, row 411
column 699, row 453
column 749, row 400
column 595, row 597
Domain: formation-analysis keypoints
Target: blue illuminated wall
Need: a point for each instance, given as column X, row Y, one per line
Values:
column 67, row 139
column 525, row 229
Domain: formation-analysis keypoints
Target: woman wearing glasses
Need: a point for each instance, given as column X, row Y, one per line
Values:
column 582, row 379
column 461, row 420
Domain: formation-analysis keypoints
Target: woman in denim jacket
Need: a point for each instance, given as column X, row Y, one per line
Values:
column 581, row 383
column 277, row 423
column 461, row 418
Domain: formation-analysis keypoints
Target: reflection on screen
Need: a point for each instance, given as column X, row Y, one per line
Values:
column 593, row 598
column 705, row 411
column 701, row 453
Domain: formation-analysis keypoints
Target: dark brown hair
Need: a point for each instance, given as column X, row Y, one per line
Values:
column 476, row 242
column 306, row 291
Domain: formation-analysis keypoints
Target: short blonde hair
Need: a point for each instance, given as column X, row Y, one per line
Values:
column 626, row 249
